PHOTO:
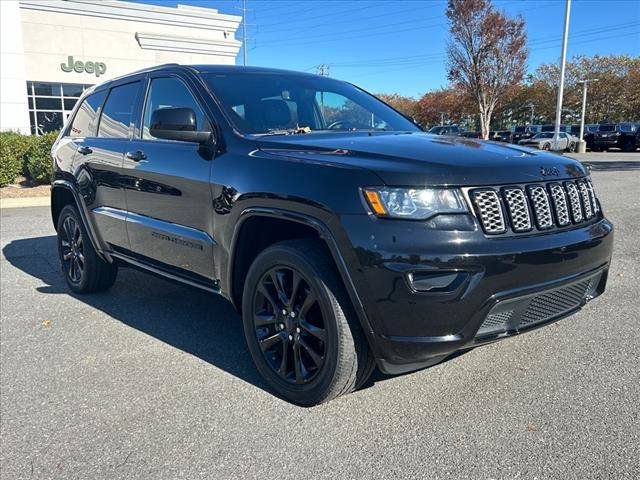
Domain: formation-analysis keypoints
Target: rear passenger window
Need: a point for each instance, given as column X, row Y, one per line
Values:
column 86, row 114
column 118, row 110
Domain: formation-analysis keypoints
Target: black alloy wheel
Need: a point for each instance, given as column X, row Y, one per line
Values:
column 72, row 250
column 84, row 270
column 300, row 327
column 289, row 325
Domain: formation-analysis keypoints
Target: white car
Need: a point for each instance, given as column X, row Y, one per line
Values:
column 544, row 141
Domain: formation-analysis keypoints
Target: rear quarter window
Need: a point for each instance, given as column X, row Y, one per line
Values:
column 82, row 123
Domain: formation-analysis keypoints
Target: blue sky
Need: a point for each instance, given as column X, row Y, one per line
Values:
column 399, row 46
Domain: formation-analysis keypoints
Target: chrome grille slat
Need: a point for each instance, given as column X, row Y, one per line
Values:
column 540, row 206
column 592, row 196
column 490, row 211
column 574, row 201
column 560, row 206
column 586, row 200
column 518, row 209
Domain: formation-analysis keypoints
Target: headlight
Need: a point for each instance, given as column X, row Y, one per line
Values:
column 415, row 204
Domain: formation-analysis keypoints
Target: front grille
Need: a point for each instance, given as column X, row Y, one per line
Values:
column 543, row 206
column 523, row 312
column 490, row 211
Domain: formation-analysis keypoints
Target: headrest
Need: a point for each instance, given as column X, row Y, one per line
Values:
column 276, row 113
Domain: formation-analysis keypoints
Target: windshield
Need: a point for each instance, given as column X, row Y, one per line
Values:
column 544, row 135
column 273, row 103
column 435, row 130
column 519, row 129
column 607, row 128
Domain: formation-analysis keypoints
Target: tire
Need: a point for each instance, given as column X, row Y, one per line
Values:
column 572, row 147
column 628, row 146
column 83, row 270
column 546, row 146
column 309, row 353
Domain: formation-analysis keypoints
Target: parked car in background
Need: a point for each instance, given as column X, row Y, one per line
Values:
column 544, row 141
column 503, row 136
column 588, row 135
column 445, row 130
column 471, row 134
column 622, row 136
column 523, row 132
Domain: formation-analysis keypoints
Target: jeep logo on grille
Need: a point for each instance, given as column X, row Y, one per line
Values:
column 549, row 171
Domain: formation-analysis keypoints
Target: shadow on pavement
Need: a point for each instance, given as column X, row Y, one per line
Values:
column 200, row 323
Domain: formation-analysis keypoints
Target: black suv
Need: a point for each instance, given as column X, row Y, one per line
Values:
column 345, row 236
column 588, row 135
column 524, row 132
column 622, row 136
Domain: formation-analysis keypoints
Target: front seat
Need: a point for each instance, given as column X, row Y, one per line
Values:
column 276, row 114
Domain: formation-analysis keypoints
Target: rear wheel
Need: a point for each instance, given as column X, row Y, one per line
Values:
column 84, row 271
column 299, row 324
column 572, row 147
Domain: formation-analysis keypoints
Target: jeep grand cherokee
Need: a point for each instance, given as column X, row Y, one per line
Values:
column 345, row 236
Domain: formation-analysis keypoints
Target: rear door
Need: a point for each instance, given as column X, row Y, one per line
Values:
column 102, row 158
column 169, row 202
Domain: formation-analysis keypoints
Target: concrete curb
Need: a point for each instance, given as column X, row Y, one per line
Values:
column 25, row 202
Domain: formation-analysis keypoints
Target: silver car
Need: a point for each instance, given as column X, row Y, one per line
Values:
column 544, row 141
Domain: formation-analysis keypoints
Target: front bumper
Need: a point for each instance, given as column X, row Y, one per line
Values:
column 606, row 142
column 411, row 328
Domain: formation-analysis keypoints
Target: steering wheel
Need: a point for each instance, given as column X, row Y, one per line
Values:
column 340, row 125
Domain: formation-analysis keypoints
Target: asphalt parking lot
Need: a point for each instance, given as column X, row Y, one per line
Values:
column 153, row 380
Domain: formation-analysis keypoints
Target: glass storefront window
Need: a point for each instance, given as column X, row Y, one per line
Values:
column 51, row 103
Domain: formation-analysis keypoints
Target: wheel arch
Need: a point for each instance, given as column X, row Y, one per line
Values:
column 64, row 193
column 302, row 226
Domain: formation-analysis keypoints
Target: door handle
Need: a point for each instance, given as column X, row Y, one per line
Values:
column 84, row 150
column 136, row 156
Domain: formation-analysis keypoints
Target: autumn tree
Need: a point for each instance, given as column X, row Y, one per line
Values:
column 613, row 98
column 486, row 54
column 448, row 104
column 405, row 105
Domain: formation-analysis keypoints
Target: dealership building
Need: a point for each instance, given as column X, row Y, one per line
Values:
column 52, row 50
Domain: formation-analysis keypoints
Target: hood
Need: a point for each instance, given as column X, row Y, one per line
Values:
column 414, row 159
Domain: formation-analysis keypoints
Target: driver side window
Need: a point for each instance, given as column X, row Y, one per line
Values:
column 165, row 93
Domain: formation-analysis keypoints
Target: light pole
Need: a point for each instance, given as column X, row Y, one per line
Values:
column 581, row 143
column 563, row 61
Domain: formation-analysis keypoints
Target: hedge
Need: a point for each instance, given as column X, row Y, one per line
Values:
column 29, row 155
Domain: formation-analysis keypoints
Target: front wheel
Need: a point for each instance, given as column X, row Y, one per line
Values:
column 300, row 326
column 546, row 146
column 84, row 271
column 572, row 147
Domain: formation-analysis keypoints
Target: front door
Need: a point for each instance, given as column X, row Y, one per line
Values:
column 168, row 195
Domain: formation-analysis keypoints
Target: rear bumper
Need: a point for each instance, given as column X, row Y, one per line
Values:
column 411, row 328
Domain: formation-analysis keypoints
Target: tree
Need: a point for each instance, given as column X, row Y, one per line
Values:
column 405, row 105
column 447, row 104
column 486, row 54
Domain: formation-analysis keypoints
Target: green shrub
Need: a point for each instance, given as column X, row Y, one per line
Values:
column 38, row 162
column 13, row 150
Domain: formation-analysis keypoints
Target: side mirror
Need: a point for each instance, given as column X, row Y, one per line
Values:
column 177, row 123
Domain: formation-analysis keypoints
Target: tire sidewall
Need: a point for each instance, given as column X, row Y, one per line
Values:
column 311, row 392
column 70, row 211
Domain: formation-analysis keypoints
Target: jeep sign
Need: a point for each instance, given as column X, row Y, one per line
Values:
column 98, row 68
